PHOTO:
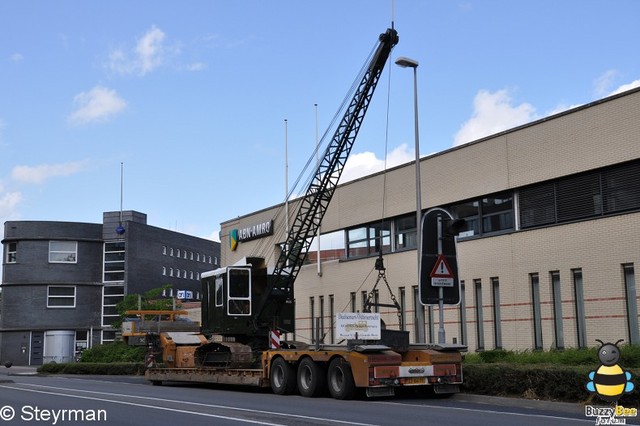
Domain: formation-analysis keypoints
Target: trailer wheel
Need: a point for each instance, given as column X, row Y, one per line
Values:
column 340, row 379
column 311, row 378
column 283, row 377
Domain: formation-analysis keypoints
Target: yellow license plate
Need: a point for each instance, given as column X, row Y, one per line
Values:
column 415, row 380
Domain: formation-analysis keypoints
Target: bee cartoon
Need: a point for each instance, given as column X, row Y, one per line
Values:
column 609, row 381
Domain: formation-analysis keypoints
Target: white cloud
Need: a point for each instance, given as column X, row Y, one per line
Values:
column 8, row 204
column 493, row 113
column 149, row 50
column 149, row 53
column 16, row 57
column 97, row 104
column 366, row 163
column 38, row 174
column 196, row 66
column 214, row 236
column 602, row 84
column 625, row 87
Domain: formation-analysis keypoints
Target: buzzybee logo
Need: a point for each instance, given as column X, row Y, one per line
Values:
column 610, row 381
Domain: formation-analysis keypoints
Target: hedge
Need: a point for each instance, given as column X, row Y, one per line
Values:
column 97, row 368
column 539, row 381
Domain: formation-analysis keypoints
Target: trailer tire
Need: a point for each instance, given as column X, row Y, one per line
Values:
column 340, row 379
column 312, row 380
column 282, row 377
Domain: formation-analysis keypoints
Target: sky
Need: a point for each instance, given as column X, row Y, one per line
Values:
column 189, row 99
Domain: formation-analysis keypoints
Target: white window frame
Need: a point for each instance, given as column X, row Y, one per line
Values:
column 73, row 253
column 12, row 249
column 57, row 296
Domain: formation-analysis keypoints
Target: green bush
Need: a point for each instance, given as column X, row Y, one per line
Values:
column 114, row 352
column 118, row 368
column 539, row 381
column 630, row 357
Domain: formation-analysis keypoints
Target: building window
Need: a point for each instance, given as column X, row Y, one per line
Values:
column 403, row 308
column 621, row 187
column 534, row 280
column 537, row 205
column 331, row 318
column 171, row 251
column 430, row 327
column 497, row 213
column 331, row 247
column 578, row 292
column 607, row 191
column 114, row 255
column 164, row 250
column 61, row 296
column 557, row 308
column 632, row 304
column 12, row 249
column 470, row 212
column 312, row 317
column 82, row 341
column 418, row 316
column 11, row 252
column 111, row 296
column 497, row 323
column 463, row 315
column 477, row 285
column 190, row 255
column 108, row 336
column 164, row 270
column 353, row 301
column 405, row 232
column 321, row 319
column 487, row 215
column 63, row 251
column 376, row 300
column 369, row 239
column 578, row 197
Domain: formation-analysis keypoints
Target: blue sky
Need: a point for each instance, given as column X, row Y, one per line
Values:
column 192, row 96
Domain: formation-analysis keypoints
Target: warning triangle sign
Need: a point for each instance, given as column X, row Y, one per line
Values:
column 441, row 269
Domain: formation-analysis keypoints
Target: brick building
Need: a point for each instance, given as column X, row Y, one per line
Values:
column 61, row 281
column 547, row 259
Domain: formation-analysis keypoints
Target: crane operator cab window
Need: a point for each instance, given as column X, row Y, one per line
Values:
column 238, row 291
column 219, row 297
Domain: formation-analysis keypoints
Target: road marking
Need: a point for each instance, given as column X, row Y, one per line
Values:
column 510, row 413
column 280, row 414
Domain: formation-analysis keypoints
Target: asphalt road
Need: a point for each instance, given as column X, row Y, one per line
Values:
column 63, row 400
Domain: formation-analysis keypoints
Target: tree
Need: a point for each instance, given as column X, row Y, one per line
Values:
column 150, row 300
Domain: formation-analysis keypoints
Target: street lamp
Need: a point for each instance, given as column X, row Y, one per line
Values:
column 412, row 63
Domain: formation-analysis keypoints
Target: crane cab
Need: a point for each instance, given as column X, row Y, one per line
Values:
column 234, row 303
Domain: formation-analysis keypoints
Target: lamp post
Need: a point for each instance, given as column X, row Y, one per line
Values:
column 412, row 63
